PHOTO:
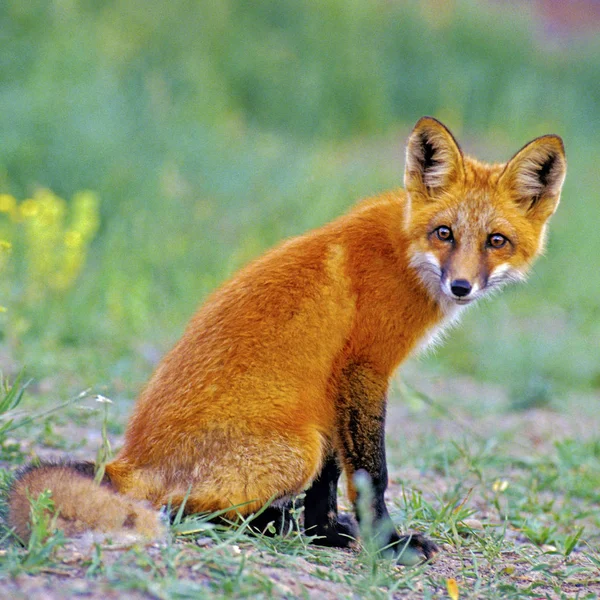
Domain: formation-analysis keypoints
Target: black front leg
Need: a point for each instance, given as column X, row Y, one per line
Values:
column 320, row 509
column 361, row 444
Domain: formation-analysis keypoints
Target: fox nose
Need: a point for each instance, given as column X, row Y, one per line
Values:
column 460, row 288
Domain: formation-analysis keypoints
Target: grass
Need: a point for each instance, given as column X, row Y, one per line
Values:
column 509, row 502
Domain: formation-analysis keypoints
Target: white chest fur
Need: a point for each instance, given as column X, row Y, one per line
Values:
column 435, row 335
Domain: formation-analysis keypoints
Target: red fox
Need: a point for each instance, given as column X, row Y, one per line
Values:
column 279, row 382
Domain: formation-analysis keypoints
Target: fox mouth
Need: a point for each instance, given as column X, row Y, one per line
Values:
column 460, row 301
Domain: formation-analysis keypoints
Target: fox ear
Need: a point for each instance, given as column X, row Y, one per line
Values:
column 433, row 158
column 535, row 175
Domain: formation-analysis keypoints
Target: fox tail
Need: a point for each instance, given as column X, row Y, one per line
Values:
column 81, row 504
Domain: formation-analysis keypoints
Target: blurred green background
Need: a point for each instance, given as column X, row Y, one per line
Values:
column 149, row 148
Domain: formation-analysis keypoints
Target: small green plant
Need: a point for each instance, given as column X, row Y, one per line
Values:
column 5, row 248
column 568, row 543
column 10, row 398
column 104, row 453
column 95, row 564
column 11, row 394
column 371, row 534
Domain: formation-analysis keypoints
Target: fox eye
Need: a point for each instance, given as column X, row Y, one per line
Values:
column 444, row 233
column 496, row 240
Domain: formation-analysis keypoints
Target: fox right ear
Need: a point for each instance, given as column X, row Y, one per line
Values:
column 433, row 158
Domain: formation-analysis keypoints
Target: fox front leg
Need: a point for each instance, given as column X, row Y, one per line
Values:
column 361, row 441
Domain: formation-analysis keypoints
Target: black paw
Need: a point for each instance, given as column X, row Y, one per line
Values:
column 339, row 533
column 413, row 549
column 273, row 521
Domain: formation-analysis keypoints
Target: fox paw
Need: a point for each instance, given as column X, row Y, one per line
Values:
column 413, row 549
column 338, row 533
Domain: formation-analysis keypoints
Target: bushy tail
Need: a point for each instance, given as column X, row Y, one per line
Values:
column 81, row 504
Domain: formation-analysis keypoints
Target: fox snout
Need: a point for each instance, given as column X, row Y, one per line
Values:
column 461, row 288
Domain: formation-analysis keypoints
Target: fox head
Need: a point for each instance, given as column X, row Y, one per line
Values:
column 473, row 226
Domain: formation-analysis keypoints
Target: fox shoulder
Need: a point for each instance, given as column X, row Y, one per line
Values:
column 81, row 504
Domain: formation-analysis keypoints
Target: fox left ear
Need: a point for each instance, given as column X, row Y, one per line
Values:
column 433, row 159
column 536, row 174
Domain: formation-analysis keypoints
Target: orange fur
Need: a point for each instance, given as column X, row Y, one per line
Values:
column 245, row 404
column 272, row 370
column 106, row 511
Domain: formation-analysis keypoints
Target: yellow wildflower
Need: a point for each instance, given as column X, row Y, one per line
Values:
column 8, row 205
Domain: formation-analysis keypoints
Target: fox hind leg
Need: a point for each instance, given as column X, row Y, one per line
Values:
column 275, row 520
column 321, row 517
